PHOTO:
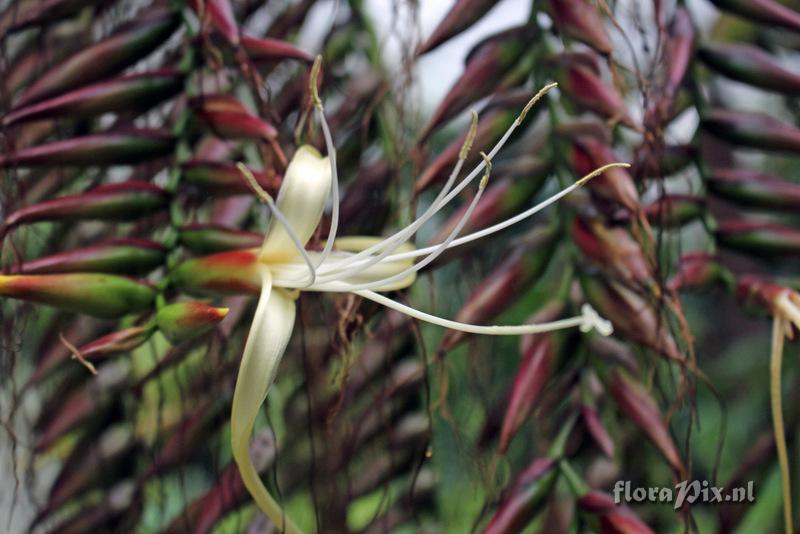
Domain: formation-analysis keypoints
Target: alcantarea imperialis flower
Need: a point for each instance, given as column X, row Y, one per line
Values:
column 363, row 266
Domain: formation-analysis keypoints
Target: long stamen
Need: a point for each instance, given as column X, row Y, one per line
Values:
column 266, row 198
column 391, row 243
column 585, row 321
column 326, row 132
column 776, row 359
column 444, row 245
column 510, row 221
column 440, row 202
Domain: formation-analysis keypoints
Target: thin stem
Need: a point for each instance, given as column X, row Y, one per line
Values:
column 776, row 359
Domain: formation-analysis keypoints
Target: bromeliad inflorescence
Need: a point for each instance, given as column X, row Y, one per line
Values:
column 364, row 266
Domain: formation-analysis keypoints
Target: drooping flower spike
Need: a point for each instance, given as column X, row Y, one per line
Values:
column 364, row 266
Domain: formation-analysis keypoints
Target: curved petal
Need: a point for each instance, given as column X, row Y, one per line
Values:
column 266, row 342
column 302, row 198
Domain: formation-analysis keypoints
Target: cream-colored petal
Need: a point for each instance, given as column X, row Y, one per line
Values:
column 302, row 198
column 292, row 275
column 269, row 334
column 357, row 243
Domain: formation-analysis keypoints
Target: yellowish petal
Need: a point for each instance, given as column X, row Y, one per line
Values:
column 266, row 343
column 302, row 198
column 357, row 243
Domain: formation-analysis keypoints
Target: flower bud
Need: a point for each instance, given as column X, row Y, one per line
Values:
column 767, row 12
column 597, row 430
column 698, row 270
column 486, row 64
column 22, row 15
column 112, row 202
column 664, row 161
column 119, row 147
column 614, row 518
column 123, row 48
column 227, row 118
column 591, row 93
column 753, row 130
column 633, row 317
column 754, row 188
column 117, row 256
column 105, row 296
column 581, row 20
column 529, row 382
column 183, row 321
column 227, row 273
column 266, row 49
column 751, row 65
column 525, row 497
column 219, row 13
column 615, row 185
column 758, row 295
column 613, row 249
column 134, row 92
column 674, row 211
column 637, row 404
column 225, row 179
column 461, row 16
column 759, row 238
column 211, row 238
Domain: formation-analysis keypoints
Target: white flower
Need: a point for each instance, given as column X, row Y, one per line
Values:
column 360, row 265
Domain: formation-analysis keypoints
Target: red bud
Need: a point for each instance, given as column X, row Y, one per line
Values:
column 100, row 295
column 225, row 178
column 124, row 47
column 461, row 16
column 266, row 49
column 637, row 404
column 119, row 256
column 525, row 497
column 762, row 239
column 211, row 238
column 115, row 202
column 529, row 382
column 135, row 92
column 581, row 20
column 754, row 188
column 107, row 148
column 753, row 130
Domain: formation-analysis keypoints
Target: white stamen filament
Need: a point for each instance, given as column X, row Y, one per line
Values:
column 329, row 146
column 391, row 243
column 440, row 201
column 442, row 246
column 586, row 321
column 501, row 225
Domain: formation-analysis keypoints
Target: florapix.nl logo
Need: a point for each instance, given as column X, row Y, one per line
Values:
column 684, row 492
